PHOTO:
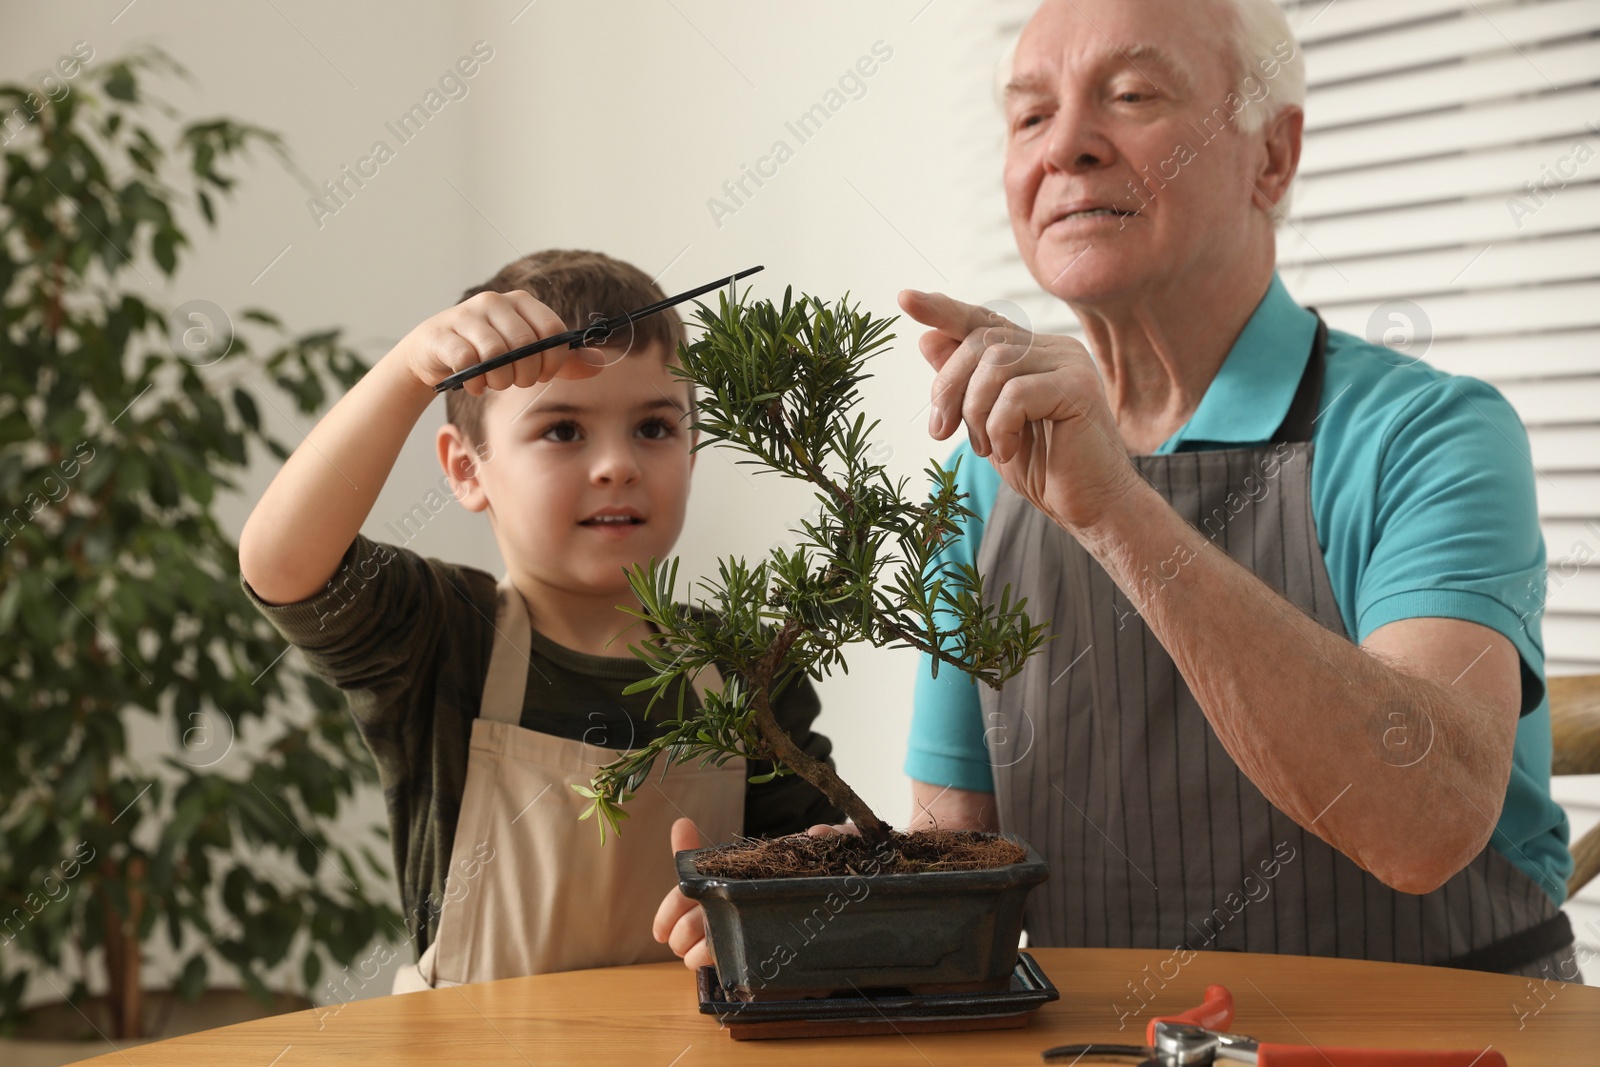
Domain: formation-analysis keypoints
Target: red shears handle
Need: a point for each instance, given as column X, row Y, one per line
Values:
column 1269, row 1055
column 1216, row 1013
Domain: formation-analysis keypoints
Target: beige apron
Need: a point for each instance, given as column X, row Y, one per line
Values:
column 530, row 888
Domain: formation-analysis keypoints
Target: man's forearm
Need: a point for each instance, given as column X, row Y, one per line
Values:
column 293, row 541
column 1305, row 713
column 949, row 808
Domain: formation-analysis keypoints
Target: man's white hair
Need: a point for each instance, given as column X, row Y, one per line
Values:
column 1260, row 31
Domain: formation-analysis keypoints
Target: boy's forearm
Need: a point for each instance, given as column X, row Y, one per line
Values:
column 306, row 520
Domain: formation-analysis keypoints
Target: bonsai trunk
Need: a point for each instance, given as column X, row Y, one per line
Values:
column 782, row 746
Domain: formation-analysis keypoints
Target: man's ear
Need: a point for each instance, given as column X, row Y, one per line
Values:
column 1283, row 141
column 461, row 463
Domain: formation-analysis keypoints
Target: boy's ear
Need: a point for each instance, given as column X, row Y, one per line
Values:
column 461, row 462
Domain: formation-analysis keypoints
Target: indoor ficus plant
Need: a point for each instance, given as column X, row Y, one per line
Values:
column 121, row 613
column 780, row 383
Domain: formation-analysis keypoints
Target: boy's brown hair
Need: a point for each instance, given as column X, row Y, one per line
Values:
column 581, row 287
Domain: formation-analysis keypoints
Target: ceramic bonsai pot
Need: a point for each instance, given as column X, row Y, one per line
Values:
column 929, row 932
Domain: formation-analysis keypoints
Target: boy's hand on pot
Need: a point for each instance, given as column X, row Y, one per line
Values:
column 680, row 922
column 489, row 325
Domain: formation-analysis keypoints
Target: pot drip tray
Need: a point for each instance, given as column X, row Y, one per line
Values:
column 880, row 1011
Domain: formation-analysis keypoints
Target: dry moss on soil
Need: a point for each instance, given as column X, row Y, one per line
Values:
column 802, row 856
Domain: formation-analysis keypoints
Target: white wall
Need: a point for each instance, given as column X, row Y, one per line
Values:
column 652, row 123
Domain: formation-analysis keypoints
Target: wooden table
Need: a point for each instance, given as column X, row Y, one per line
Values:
column 647, row 1016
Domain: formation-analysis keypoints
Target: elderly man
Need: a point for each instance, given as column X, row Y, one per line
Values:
column 1294, row 702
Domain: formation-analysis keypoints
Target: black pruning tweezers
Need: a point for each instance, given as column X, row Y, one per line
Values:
column 594, row 334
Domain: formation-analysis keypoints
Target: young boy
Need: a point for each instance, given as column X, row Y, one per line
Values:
column 484, row 703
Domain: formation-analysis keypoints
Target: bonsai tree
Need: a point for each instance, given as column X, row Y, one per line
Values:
column 121, row 612
column 780, row 384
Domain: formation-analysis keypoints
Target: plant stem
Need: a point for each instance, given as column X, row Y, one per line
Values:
column 124, row 995
column 920, row 645
column 124, row 989
column 132, row 979
column 813, row 770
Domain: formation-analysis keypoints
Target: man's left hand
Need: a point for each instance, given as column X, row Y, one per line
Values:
column 1033, row 404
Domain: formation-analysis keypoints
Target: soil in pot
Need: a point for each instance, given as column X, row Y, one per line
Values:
column 802, row 856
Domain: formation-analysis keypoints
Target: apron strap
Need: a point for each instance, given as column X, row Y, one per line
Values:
column 505, row 685
column 1520, row 949
column 1297, row 425
column 507, row 681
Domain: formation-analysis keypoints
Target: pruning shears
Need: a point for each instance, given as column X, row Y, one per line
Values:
column 596, row 333
column 1199, row 1036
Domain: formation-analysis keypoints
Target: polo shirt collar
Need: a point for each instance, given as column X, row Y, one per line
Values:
column 1248, row 399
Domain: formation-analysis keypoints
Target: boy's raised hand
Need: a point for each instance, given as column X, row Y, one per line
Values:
column 300, row 530
column 490, row 325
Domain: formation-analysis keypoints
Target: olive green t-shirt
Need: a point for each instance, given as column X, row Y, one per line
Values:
column 408, row 641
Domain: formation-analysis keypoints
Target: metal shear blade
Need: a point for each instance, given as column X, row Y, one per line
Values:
column 1071, row 1054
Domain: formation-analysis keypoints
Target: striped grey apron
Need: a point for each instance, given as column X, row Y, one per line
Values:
column 1104, row 761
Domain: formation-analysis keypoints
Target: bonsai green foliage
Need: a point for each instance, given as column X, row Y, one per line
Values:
column 119, row 592
column 780, row 384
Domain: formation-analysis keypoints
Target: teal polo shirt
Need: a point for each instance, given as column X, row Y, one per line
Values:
column 1422, row 489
